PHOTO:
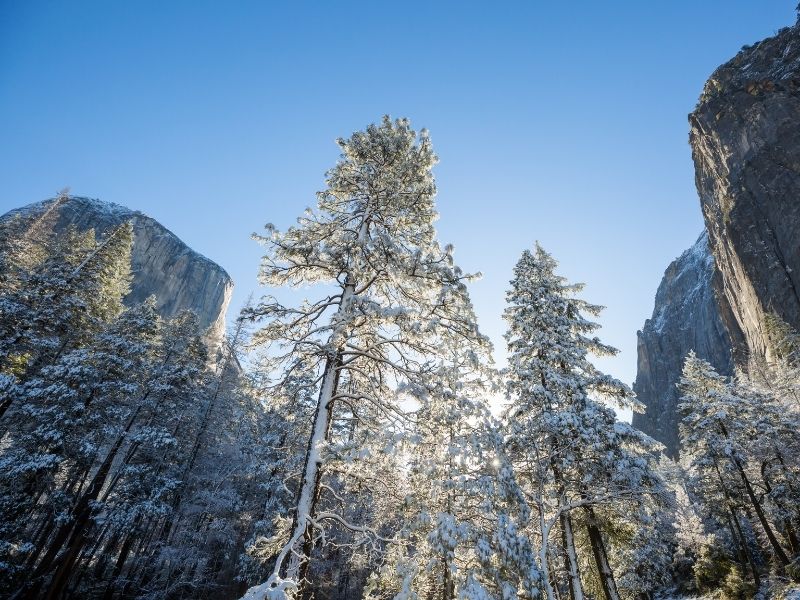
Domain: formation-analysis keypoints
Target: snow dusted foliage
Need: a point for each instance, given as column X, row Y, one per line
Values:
column 372, row 336
column 742, row 464
column 581, row 472
column 54, row 296
column 445, row 544
column 351, row 452
column 123, row 459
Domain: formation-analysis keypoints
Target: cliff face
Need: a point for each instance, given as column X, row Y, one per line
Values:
column 745, row 138
column 162, row 264
column 686, row 317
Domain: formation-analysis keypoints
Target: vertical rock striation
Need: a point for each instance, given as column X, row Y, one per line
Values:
column 745, row 138
column 162, row 264
column 686, row 317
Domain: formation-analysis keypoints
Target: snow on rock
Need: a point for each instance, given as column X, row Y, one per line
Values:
column 686, row 317
column 162, row 264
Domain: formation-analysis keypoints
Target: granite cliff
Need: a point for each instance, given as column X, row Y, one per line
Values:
column 745, row 139
column 686, row 317
column 162, row 264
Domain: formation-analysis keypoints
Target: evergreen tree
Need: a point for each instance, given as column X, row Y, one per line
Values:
column 576, row 464
column 394, row 290
column 736, row 439
column 76, row 288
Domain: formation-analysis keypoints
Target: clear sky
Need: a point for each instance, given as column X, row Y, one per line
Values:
column 558, row 121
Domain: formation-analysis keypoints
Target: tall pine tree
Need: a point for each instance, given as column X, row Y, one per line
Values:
column 392, row 290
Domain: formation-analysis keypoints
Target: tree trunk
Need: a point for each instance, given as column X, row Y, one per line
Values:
column 789, row 531
column 780, row 554
column 448, row 585
column 544, row 559
column 575, row 587
column 738, row 534
column 310, row 490
column 600, row 555
column 123, row 556
column 74, row 534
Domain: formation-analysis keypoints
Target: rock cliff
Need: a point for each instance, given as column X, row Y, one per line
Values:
column 162, row 264
column 686, row 317
column 745, row 139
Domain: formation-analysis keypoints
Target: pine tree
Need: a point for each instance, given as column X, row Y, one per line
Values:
column 75, row 289
column 451, row 457
column 734, row 437
column 25, row 239
column 394, row 289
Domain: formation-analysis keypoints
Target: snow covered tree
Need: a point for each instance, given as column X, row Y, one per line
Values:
column 446, row 514
column 61, row 423
column 393, row 291
column 710, row 472
column 25, row 239
column 113, row 439
column 737, row 442
column 576, row 464
column 442, row 471
column 75, row 288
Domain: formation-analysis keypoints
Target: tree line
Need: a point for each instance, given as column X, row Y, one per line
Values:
column 127, row 460
column 352, row 445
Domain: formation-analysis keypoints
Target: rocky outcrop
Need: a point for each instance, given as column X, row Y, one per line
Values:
column 745, row 138
column 162, row 264
column 686, row 317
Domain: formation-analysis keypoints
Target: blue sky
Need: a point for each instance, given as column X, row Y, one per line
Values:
column 558, row 121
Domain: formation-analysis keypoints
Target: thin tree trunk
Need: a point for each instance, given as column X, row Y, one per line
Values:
column 544, row 549
column 448, row 585
column 780, row 554
column 124, row 552
column 75, row 533
column 789, row 532
column 744, row 552
column 573, row 572
column 601, row 556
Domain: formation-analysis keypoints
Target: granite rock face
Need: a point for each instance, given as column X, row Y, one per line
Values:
column 686, row 317
column 745, row 138
column 162, row 265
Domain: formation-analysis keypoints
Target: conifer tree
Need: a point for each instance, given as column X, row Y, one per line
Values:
column 73, row 291
column 576, row 464
column 461, row 535
column 736, row 439
column 394, row 289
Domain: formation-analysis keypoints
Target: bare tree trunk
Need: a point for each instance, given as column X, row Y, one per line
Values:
column 573, row 572
column 75, row 533
column 448, row 585
column 308, row 496
column 310, row 490
column 544, row 551
column 124, row 552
